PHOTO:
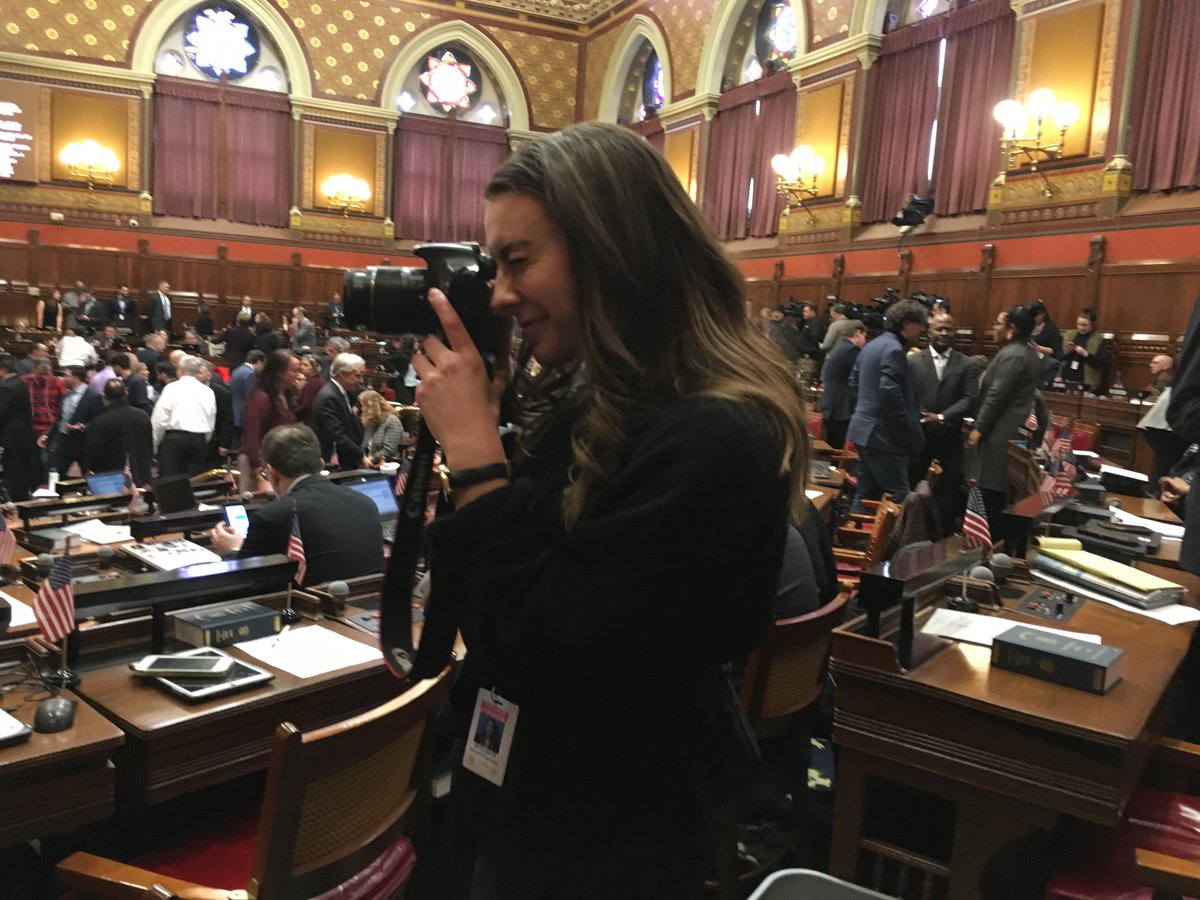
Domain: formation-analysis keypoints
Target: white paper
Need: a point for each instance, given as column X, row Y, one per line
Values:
column 167, row 556
column 22, row 613
column 100, row 533
column 1166, row 529
column 1171, row 614
column 976, row 629
column 310, row 651
column 44, row 494
column 813, row 495
column 1123, row 473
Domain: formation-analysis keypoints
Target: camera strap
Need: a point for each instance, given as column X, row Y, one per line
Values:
column 395, row 613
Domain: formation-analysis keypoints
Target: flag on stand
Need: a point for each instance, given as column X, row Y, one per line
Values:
column 1064, row 477
column 8, row 542
column 402, row 478
column 1046, row 489
column 975, row 524
column 295, row 550
column 54, row 605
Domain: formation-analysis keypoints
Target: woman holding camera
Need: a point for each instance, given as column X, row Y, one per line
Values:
column 634, row 545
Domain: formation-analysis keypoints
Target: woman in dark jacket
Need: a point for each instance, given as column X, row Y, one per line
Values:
column 268, row 405
column 1047, row 340
column 594, row 587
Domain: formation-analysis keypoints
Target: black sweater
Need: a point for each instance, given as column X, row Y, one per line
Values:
column 606, row 637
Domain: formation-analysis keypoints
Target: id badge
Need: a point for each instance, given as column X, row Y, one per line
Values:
column 490, row 737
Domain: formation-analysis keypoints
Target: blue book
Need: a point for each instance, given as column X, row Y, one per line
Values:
column 1058, row 658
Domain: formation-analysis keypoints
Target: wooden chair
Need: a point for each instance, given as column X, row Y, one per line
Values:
column 338, row 803
column 851, row 561
column 782, row 678
column 932, row 474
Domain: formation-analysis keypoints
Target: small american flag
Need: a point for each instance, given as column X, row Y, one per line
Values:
column 1031, row 421
column 1046, row 489
column 295, row 550
column 402, row 478
column 135, row 496
column 1064, row 478
column 8, row 543
column 1062, row 446
column 975, row 525
column 54, row 605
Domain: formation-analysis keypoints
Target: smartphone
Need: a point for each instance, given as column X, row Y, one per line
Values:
column 236, row 518
column 193, row 666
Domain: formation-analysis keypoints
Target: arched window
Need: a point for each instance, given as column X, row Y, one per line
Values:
column 642, row 91
column 449, row 78
column 212, row 41
column 908, row 12
column 762, row 43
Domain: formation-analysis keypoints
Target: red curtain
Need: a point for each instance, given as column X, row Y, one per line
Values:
column 185, row 155
column 901, row 107
column 753, row 123
column 441, row 169
column 1165, row 118
column 258, row 147
column 979, row 49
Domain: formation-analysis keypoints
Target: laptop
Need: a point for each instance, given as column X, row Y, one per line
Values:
column 379, row 490
column 173, row 494
column 106, row 483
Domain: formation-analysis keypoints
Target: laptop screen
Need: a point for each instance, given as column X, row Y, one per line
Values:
column 106, row 483
column 380, row 491
column 173, row 494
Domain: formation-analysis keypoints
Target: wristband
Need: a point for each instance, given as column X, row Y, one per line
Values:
column 460, row 478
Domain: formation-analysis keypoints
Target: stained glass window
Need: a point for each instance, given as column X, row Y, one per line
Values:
column 781, row 31
column 652, row 83
column 220, row 41
column 448, row 80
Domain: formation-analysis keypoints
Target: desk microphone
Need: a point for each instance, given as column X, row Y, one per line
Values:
column 983, row 573
column 44, row 563
column 339, row 591
column 247, row 496
column 105, row 557
column 1002, row 566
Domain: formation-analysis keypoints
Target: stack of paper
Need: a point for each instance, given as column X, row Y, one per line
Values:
column 1110, row 578
column 167, row 556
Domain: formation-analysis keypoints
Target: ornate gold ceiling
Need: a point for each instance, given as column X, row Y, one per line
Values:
column 571, row 12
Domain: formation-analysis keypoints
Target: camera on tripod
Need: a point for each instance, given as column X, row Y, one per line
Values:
column 395, row 299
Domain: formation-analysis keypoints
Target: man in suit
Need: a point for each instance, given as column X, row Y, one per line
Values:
column 159, row 310
column 947, row 384
column 335, row 312
column 238, row 340
column 241, row 384
column 66, row 441
column 136, row 387
column 120, row 433
column 16, row 431
column 121, row 311
column 152, row 355
column 304, row 332
column 247, row 307
column 837, row 400
column 93, row 314
column 338, row 428
column 221, row 442
column 886, row 425
column 339, row 527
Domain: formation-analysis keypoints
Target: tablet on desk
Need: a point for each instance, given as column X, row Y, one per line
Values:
column 241, row 675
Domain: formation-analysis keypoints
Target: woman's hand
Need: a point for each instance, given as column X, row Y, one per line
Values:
column 974, row 437
column 460, row 405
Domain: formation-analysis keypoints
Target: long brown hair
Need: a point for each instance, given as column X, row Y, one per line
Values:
column 661, row 307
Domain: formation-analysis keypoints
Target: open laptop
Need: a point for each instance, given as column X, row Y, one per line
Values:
column 379, row 490
column 173, row 494
column 106, row 483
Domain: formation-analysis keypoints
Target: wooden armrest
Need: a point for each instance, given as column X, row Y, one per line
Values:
column 862, row 517
column 844, row 554
column 1174, row 752
column 97, row 876
column 1169, row 874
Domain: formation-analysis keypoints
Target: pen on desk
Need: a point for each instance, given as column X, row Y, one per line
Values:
column 279, row 636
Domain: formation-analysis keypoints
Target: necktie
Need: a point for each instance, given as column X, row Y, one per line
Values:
column 166, row 304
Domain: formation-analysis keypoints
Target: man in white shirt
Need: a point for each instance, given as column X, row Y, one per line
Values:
column 183, row 421
column 74, row 350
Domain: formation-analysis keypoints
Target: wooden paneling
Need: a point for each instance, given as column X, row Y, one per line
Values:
column 1149, row 298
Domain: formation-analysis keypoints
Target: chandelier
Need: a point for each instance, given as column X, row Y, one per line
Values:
column 347, row 193
column 796, row 176
column 1024, row 124
column 89, row 162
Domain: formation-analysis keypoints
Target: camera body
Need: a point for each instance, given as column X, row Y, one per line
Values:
column 395, row 299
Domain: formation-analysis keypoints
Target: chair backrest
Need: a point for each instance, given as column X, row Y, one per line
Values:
column 339, row 797
column 881, row 531
column 1083, row 437
column 786, row 674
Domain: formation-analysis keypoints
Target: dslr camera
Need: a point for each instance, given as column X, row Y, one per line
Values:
column 395, row 299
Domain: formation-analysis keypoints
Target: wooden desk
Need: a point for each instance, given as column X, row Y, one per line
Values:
column 57, row 782
column 173, row 747
column 1146, row 508
column 1008, row 753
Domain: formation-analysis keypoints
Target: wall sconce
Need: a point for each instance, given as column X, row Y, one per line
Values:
column 90, row 162
column 796, row 177
column 347, row 193
column 1023, row 125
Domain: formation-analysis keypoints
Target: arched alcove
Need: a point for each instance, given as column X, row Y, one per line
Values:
column 867, row 17
column 165, row 13
column 480, row 46
column 717, row 44
column 639, row 28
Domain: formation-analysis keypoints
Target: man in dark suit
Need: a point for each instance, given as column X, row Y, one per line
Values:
column 66, row 441
column 135, row 385
column 16, row 431
column 335, row 312
column 159, row 309
column 152, row 355
column 338, row 428
column 837, row 400
column 93, row 313
column 121, row 311
column 339, row 527
column 120, row 433
column 221, row 442
column 886, row 425
column 947, row 384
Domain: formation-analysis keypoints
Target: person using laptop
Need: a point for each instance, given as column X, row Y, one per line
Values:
column 339, row 527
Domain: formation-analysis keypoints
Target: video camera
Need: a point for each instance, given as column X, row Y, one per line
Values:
column 395, row 299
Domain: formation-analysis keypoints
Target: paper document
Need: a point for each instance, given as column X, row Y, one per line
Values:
column 1171, row 614
column 1166, row 529
column 1123, row 473
column 976, row 629
column 310, row 651
column 100, row 533
column 1053, row 543
column 22, row 613
column 813, row 495
column 167, row 556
